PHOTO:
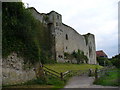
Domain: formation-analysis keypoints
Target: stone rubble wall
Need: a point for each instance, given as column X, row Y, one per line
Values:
column 14, row 71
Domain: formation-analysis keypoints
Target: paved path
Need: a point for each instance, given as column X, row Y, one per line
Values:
column 83, row 82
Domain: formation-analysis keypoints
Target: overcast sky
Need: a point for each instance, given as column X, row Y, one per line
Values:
column 99, row 17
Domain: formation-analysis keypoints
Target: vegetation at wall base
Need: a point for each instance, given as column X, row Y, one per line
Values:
column 51, row 82
column 79, row 56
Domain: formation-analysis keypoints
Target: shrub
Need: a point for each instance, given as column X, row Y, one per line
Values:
column 79, row 56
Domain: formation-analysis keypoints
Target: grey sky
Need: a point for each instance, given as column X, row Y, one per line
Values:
column 99, row 17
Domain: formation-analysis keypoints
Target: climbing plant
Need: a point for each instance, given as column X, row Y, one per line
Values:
column 23, row 34
column 79, row 56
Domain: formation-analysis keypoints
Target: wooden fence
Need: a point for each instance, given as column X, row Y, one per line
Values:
column 63, row 75
column 79, row 72
column 97, row 73
column 53, row 73
column 102, row 72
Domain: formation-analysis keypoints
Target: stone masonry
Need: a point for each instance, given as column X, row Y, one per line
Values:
column 65, row 38
column 15, row 72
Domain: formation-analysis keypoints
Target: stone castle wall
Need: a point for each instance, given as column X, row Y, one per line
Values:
column 15, row 72
column 66, row 39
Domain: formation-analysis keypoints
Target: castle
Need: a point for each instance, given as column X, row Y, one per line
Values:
column 64, row 38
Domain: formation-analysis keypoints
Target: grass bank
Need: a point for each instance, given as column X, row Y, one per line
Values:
column 65, row 67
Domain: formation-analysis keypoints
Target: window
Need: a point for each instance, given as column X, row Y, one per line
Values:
column 56, row 24
column 66, row 37
column 60, row 56
column 57, row 16
column 66, row 48
column 61, row 30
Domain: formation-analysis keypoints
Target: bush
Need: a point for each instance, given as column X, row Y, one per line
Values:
column 80, row 57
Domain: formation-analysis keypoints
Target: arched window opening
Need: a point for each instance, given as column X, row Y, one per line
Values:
column 66, row 48
column 66, row 37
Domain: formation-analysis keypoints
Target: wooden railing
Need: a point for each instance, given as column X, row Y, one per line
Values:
column 64, row 75
column 53, row 73
column 102, row 72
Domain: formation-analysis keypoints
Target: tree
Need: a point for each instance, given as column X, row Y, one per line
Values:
column 116, row 61
column 103, row 61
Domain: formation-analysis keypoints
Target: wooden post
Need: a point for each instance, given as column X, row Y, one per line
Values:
column 90, row 72
column 96, row 74
column 61, row 75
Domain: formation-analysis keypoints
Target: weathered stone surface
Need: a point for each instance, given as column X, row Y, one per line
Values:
column 13, row 72
column 66, row 39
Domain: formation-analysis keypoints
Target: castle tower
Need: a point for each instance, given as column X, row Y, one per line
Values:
column 55, row 20
column 91, row 49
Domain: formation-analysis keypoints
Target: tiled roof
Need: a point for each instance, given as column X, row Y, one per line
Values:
column 100, row 54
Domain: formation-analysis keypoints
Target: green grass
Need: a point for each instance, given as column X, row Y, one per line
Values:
column 53, row 82
column 110, row 79
column 65, row 67
column 57, row 83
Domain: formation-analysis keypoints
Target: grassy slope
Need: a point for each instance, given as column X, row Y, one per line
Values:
column 66, row 67
column 111, row 79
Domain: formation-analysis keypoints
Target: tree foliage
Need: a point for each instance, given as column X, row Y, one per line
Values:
column 116, row 61
column 103, row 61
column 23, row 34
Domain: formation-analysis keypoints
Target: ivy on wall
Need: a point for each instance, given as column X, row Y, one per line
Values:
column 79, row 56
column 23, row 34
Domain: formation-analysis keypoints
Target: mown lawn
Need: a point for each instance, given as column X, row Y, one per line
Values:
column 110, row 79
column 65, row 67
